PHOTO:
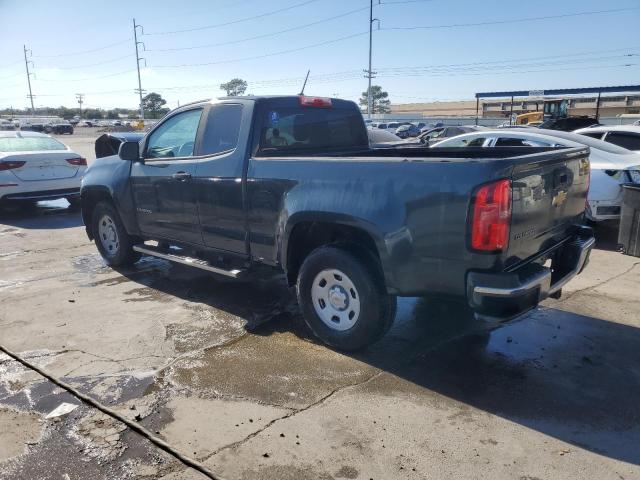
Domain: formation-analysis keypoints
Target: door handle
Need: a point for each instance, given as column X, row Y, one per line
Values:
column 181, row 176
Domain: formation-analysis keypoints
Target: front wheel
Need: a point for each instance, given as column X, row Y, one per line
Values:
column 113, row 242
column 343, row 299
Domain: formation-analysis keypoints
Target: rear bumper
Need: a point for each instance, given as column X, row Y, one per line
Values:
column 42, row 195
column 506, row 295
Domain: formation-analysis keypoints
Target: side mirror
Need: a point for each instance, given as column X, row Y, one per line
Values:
column 129, row 151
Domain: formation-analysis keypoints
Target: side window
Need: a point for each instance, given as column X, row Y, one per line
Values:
column 630, row 141
column 512, row 142
column 453, row 131
column 435, row 133
column 222, row 129
column 175, row 137
column 464, row 142
column 596, row 135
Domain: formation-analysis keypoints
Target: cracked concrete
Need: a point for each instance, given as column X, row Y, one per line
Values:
column 227, row 373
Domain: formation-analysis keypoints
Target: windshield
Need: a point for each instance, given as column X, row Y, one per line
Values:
column 29, row 144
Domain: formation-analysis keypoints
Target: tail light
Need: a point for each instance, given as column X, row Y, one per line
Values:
column 318, row 102
column 10, row 165
column 78, row 161
column 491, row 218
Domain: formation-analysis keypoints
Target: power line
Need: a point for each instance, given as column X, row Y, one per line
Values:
column 85, row 51
column 265, row 35
column 272, row 54
column 515, row 20
column 87, row 65
column 87, row 78
column 11, row 76
column 234, row 22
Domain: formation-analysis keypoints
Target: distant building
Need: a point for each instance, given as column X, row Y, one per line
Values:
column 612, row 106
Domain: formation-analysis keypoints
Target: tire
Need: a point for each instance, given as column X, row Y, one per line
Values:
column 343, row 300
column 113, row 242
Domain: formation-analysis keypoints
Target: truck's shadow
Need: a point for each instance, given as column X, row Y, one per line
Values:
column 49, row 215
column 573, row 377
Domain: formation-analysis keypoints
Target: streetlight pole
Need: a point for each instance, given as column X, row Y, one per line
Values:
column 139, row 90
column 26, row 64
column 80, row 97
column 369, row 72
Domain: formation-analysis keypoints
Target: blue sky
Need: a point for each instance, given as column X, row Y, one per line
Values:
column 418, row 54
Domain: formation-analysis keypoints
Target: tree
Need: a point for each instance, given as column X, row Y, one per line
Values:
column 234, row 87
column 380, row 102
column 153, row 103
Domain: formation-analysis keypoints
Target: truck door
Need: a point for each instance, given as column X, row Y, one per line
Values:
column 219, row 176
column 162, row 184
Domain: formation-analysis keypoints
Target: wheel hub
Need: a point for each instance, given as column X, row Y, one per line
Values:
column 108, row 235
column 335, row 299
column 338, row 298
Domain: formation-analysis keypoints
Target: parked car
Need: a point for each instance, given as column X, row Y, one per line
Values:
column 33, row 127
column 393, row 126
column 34, row 166
column 625, row 136
column 291, row 183
column 382, row 126
column 6, row 125
column 406, row 131
column 383, row 138
column 568, row 124
column 611, row 166
column 440, row 133
column 59, row 128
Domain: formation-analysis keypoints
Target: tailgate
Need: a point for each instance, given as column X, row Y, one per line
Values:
column 44, row 166
column 549, row 196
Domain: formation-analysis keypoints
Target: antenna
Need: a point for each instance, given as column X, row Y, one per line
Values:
column 305, row 83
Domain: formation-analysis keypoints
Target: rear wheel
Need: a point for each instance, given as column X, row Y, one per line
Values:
column 343, row 299
column 113, row 242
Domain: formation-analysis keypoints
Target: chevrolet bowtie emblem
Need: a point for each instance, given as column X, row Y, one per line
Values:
column 559, row 198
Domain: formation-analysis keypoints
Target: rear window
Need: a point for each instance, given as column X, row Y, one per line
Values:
column 630, row 141
column 28, row 144
column 311, row 130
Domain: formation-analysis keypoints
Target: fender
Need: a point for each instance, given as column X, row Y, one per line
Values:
column 109, row 177
column 288, row 225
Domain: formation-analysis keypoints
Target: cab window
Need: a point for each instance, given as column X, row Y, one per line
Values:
column 222, row 129
column 311, row 130
column 175, row 137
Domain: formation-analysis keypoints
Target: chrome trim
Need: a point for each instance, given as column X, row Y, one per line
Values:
column 192, row 262
column 541, row 281
column 537, row 281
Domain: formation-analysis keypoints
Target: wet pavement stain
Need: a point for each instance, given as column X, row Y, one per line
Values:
column 534, row 373
column 92, row 264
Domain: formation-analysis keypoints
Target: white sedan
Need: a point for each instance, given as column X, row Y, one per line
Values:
column 34, row 166
column 611, row 166
column 625, row 136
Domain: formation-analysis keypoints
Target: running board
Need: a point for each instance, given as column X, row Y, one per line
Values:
column 184, row 260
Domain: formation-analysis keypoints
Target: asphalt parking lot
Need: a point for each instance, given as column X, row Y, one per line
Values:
column 227, row 373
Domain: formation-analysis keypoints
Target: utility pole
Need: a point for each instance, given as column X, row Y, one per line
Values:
column 80, row 97
column 369, row 73
column 26, row 64
column 139, row 89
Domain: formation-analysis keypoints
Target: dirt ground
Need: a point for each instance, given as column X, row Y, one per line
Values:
column 228, row 374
